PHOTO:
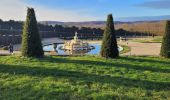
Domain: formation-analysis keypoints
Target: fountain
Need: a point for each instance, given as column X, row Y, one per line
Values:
column 77, row 45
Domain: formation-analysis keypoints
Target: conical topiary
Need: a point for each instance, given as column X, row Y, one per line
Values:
column 165, row 49
column 109, row 47
column 31, row 42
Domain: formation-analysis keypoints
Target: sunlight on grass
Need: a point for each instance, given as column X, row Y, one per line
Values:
column 85, row 77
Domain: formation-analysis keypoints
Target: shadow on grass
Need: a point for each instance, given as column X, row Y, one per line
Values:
column 87, row 78
column 138, row 59
column 113, row 64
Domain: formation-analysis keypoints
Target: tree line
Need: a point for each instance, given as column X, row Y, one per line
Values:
column 16, row 27
column 154, row 28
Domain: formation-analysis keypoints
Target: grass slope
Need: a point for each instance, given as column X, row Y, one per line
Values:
column 63, row 78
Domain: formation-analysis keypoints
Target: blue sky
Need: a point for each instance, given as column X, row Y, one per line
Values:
column 83, row 10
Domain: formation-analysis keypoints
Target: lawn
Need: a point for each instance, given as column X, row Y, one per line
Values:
column 87, row 77
column 157, row 39
column 126, row 49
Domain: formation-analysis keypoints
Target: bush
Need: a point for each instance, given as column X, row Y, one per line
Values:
column 109, row 47
column 165, row 49
column 31, row 42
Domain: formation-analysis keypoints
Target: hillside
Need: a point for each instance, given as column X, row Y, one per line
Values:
column 153, row 27
column 82, row 24
column 157, row 28
column 82, row 78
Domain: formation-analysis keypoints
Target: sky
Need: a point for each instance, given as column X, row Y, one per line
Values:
column 82, row 10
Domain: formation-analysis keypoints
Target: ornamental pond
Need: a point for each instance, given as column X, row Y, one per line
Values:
column 60, row 51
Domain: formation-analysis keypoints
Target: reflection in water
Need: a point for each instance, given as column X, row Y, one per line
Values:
column 79, row 52
column 59, row 51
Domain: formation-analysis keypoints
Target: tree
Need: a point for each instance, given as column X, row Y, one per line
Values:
column 165, row 49
column 1, row 20
column 31, row 42
column 109, row 47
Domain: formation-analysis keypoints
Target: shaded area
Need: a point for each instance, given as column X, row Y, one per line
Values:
column 146, row 60
column 86, row 77
column 116, row 64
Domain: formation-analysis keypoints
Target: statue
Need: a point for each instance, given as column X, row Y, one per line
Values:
column 76, row 36
column 76, row 44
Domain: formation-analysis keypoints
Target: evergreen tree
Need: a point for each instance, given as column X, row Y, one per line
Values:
column 31, row 42
column 109, row 47
column 165, row 49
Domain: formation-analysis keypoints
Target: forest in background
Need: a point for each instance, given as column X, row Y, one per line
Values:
column 88, row 28
column 151, row 27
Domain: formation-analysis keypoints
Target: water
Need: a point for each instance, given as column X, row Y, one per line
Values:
column 95, row 51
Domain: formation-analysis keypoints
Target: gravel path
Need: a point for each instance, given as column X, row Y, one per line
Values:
column 143, row 49
column 6, row 52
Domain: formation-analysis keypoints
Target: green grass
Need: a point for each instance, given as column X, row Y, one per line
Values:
column 157, row 39
column 88, row 77
column 126, row 49
column 4, row 48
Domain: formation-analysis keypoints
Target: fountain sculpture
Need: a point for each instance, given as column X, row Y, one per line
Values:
column 77, row 45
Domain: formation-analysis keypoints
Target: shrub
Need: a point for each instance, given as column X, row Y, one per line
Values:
column 165, row 49
column 109, row 47
column 31, row 42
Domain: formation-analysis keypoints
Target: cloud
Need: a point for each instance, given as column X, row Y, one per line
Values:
column 12, row 9
column 16, row 9
column 158, row 4
column 61, row 15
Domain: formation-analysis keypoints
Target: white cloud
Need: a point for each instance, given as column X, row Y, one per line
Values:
column 16, row 9
column 61, row 15
column 12, row 9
